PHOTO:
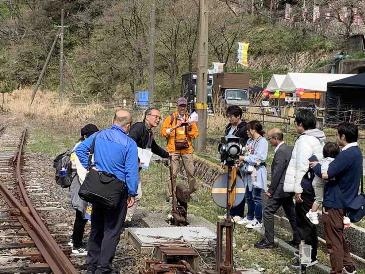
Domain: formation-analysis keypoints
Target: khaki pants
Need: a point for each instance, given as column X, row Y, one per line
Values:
column 188, row 163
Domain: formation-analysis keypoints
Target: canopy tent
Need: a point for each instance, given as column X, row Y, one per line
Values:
column 310, row 81
column 346, row 99
column 275, row 82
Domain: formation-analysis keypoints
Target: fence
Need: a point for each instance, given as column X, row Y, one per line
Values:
column 283, row 115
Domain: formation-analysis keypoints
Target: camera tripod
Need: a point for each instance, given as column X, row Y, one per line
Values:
column 227, row 191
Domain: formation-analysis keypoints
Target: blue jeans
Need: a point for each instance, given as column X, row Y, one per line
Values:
column 254, row 204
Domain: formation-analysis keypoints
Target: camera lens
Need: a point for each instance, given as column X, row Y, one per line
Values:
column 233, row 150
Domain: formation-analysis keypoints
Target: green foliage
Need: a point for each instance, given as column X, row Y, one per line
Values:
column 357, row 55
column 107, row 43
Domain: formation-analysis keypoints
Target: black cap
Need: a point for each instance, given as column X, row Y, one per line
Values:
column 89, row 130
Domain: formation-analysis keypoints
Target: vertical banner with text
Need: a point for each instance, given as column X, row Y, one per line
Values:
column 242, row 53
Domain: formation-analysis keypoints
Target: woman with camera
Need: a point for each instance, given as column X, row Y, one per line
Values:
column 254, row 173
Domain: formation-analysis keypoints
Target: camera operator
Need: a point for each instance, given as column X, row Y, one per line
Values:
column 237, row 127
column 254, row 174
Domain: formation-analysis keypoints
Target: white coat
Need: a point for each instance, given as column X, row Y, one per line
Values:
column 309, row 143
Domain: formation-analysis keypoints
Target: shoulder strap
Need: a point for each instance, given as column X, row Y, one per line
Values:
column 92, row 149
column 171, row 118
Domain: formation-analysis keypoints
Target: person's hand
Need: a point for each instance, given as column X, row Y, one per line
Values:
column 313, row 164
column 241, row 158
column 298, row 198
column 324, row 175
column 130, row 201
column 268, row 194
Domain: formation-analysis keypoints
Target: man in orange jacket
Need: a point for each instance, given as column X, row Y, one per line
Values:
column 179, row 130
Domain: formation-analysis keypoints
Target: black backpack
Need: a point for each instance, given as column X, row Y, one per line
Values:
column 62, row 164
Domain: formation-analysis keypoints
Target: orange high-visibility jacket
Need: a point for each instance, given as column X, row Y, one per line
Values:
column 191, row 132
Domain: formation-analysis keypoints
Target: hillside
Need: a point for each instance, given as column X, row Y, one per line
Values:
column 106, row 42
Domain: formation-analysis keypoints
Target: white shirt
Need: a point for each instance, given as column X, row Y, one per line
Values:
column 231, row 130
column 354, row 144
column 277, row 147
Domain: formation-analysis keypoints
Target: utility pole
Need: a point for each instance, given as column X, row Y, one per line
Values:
column 151, row 84
column 201, row 104
column 44, row 68
column 61, row 57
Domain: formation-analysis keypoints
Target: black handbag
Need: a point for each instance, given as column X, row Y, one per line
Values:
column 100, row 187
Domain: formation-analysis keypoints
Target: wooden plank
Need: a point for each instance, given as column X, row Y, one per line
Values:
column 16, row 245
column 32, row 268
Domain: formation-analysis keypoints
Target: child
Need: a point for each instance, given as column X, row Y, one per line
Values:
column 330, row 151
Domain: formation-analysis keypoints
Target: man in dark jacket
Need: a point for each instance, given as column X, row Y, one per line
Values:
column 141, row 133
column 345, row 172
column 237, row 127
column 276, row 195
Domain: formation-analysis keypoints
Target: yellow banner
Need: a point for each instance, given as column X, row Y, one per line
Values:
column 245, row 54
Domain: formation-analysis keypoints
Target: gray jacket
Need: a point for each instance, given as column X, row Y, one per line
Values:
column 278, row 169
column 76, row 202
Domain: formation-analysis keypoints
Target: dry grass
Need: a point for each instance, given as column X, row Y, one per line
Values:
column 47, row 110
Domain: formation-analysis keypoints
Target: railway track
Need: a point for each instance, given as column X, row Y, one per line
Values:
column 26, row 245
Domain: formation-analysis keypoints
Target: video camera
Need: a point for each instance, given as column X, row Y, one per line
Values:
column 230, row 149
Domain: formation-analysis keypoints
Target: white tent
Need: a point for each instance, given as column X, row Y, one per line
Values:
column 275, row 82
column 310, row 81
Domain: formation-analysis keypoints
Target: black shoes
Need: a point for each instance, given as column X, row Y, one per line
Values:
column 263, row 244
column 349, row 269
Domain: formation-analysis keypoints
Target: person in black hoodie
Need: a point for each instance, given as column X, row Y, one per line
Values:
column 141, row 133
column 236, row 127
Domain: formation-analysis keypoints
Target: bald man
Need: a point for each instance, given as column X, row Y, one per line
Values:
column 275, row 193
column 114, row 153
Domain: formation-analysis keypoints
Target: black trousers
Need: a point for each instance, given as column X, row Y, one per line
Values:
column 271, row 207
column 79, row 228
column 106, row 227
column 307, row 230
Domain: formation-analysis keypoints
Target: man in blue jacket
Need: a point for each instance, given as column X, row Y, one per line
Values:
column 345, row 172
column 114, row 153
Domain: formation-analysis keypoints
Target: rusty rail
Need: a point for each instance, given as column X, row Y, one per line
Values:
column 32, row 223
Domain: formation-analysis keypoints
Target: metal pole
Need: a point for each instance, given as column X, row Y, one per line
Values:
column 201, row 104
column 151, row 84
column 61, row 58
column 44, row 68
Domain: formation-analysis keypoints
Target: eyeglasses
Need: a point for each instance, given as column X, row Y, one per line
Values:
column 155, row 116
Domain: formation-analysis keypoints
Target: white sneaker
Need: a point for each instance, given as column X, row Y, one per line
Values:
column 128, row 219
column 346, row 222
column 312, row 263
column 70, row 243
column 254, row 224
column 313, row 217
column 237, row 219
column 241, row 221
column 79, row 251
